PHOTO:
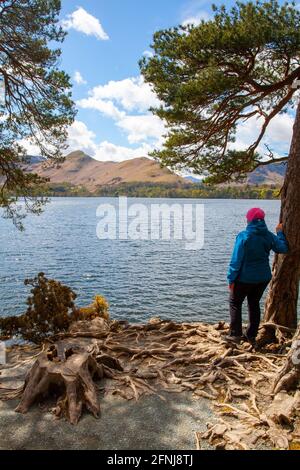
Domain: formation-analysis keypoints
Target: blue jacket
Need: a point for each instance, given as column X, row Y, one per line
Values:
column 250, row 257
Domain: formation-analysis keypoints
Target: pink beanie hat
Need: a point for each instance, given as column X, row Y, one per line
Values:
column 255, row 213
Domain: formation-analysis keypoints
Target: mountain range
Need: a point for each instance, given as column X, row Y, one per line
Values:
column 79, row 169
column 268, row 174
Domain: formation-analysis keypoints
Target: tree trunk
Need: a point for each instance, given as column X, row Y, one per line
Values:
column 281, row 303
column 288, row 377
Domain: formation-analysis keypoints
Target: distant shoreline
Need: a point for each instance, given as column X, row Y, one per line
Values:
column 154, row 190
column 160, row 197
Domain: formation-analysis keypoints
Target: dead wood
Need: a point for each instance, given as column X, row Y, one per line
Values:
column 288, row 378
column 143, row 359
column 71, row 377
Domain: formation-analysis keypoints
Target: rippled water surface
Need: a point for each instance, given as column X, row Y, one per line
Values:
column 140, row 278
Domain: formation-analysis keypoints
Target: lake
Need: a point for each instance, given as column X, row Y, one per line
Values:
column 140, row 278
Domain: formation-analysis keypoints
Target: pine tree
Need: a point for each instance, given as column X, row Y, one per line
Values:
column 242, row 64
column 35, row 100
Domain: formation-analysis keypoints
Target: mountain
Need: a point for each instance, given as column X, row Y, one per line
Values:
column 272, row 174
column 268, row 174
column 80, row 169
column 192, row 179
column 33, row 159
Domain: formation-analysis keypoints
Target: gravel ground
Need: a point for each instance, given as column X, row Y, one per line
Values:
column 150, row 423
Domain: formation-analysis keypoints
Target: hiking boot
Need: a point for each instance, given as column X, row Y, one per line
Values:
column 232, row 339
column 249, row 340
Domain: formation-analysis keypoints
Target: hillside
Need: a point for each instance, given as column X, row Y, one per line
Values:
column 268, row 174
column 81, row 170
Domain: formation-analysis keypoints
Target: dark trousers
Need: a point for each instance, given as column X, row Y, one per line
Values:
column 254, row 293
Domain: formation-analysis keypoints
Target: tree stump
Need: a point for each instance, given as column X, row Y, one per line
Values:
column 71, row 377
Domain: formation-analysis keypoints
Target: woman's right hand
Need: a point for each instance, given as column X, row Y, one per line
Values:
column 279, row 228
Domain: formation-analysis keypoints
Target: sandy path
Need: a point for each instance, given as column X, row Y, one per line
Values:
column 149, row 423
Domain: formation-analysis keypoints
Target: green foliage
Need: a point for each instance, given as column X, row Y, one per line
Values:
column 211, row 77
column 64, row 189
column 167, row 190
column 36, row 103
column 50, row 310
column 196, row 190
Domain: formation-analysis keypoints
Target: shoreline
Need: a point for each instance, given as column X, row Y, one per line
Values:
column 90, row 196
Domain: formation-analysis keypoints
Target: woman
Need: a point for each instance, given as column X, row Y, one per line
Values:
column 249, row 272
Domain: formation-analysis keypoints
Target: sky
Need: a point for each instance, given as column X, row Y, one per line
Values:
column 105, row 41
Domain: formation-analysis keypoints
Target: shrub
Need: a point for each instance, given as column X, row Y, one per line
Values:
column 99, row 308
column 50, row 310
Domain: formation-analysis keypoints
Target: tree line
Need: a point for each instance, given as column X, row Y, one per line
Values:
column 154, row 190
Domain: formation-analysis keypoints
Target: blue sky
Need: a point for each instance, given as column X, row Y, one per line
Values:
column 105, row 41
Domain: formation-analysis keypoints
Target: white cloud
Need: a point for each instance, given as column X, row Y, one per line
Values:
column 81, row 138
column 30, row 147
column 278, row 135
column 194, row 11
column 106, row 151
column 105, row 107
column 82, row 21
column 141, row 128
column 196, row 19
column 281, row 129
column 148, row 54
column 78, row 78
column 119, row 99
column 127, row 102
column 130, row 93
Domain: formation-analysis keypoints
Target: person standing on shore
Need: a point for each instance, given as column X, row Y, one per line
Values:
column 249, row 272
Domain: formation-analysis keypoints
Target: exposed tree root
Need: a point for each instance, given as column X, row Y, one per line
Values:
column 71, row 376
column 288, row 377
column 140, row 360
column 274, row 335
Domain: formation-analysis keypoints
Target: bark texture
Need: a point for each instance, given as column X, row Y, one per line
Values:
column 281, row 303
column 71, row 377
column 288, row 378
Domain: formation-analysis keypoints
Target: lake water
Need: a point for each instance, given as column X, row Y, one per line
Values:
column 140, row 278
